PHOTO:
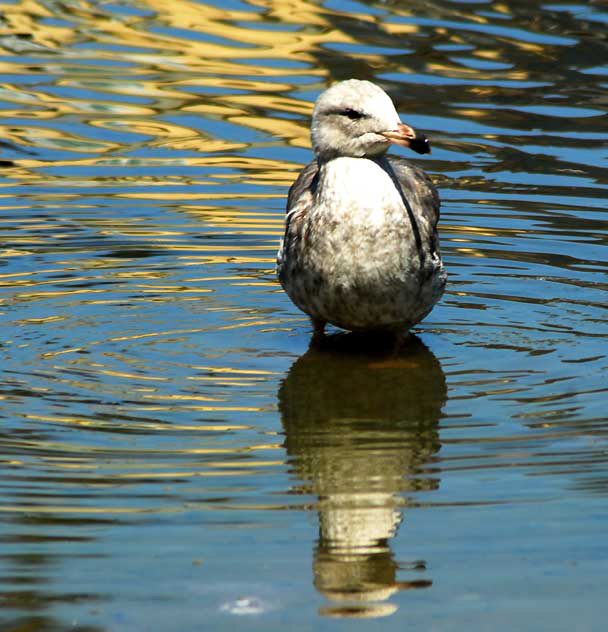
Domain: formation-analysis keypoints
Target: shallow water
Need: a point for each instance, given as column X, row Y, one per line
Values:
column 173, row 456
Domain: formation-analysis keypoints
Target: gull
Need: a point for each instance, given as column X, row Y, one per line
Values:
column 360, row 248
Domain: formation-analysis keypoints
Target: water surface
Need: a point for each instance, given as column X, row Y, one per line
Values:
column 173, row 455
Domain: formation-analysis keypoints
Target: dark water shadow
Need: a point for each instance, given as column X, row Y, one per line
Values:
column 361, row 426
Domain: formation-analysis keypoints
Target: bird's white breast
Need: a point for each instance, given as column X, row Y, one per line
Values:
column 362, row 231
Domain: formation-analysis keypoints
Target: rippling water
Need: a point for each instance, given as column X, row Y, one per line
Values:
column 172, row 455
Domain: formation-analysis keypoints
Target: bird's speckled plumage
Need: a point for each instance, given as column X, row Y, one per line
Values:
column 360, row 248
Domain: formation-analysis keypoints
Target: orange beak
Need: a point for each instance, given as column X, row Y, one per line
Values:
column 405, row 136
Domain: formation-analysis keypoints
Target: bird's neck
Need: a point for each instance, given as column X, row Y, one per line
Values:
column 345, row 171
column 352, row 162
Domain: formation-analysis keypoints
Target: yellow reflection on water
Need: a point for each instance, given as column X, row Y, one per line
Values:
column 218, row 56
column 54, row 139
column 135, row 425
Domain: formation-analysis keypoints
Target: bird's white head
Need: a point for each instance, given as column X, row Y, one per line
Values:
column 358, row 119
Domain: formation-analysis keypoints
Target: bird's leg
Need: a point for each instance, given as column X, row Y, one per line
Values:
column 318, row 330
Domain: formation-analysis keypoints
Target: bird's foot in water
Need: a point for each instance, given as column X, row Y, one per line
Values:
column 318, row 331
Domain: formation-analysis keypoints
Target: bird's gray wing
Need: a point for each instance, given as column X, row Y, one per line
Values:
column 421, row 201
column 416, row 183
column 301, row 192
column 300, row 200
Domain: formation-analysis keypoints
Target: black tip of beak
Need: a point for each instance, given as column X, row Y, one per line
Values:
column 420, row 144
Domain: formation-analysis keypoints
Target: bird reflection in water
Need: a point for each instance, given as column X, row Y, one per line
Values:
column 360, row 425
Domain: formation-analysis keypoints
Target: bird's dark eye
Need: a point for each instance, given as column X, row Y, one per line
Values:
column 352, row 114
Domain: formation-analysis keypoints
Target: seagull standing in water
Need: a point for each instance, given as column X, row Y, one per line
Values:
column 360, row 249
